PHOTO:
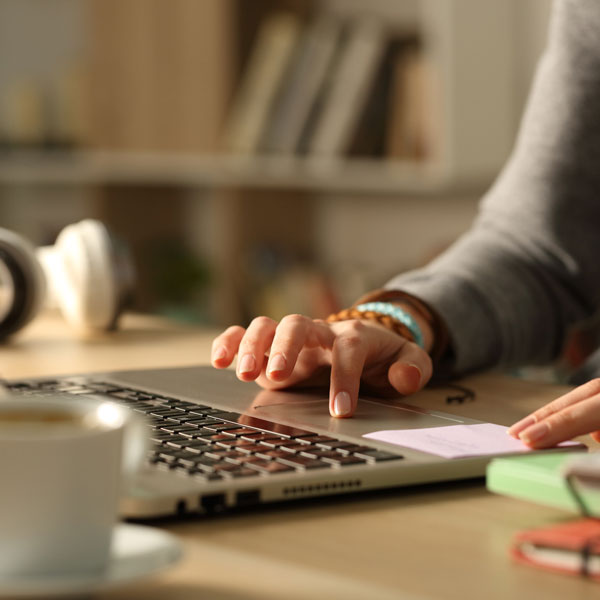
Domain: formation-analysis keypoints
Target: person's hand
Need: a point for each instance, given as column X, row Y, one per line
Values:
column 575, row 413
column 346, row 355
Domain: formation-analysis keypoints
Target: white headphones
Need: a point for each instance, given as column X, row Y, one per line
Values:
column 85, row 274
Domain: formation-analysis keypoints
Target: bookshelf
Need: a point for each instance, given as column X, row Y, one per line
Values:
column 167, row 78
column 352, row 176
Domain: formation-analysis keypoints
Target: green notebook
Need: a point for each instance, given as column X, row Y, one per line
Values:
column 538, row 477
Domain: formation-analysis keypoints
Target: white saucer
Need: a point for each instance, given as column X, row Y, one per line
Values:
column 136, row 551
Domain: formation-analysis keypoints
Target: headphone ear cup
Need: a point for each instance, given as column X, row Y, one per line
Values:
column 82, row 275
column 21, row 267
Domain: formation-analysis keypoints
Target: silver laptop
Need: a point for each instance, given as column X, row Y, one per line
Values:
column 221, row 444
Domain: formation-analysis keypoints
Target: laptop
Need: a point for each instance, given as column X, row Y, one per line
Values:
column 219, row 444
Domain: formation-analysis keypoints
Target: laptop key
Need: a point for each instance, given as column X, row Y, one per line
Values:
column 270, row 427
column 319, row 453
column 188, row 461
column 378, row 455
column 197, row 448
column 274, row 442
column 178, row 442
column 337, row 444
column 349, row 449
column 225, row 468
column 341, row 461
column 204, row 421
column 243, row 459
column 100, row 386
column 292, row 445
column 181, row 418
column 240, row 431
column 235, row 457
column 217, row 438
column 303, row 462
column 319, row 439
column 237, row 443
column 207, row 464
column 255, row 448
column 259, row 436
column 163, row 412
column 160, row 436
column 204, row 475
column 225, row 415
column 199, row 410
column 222, row 454
column 272, row 454
column 268, row 466
column 244, row 472
column 167, row 456
column 218, row 427
column 176, row 429
column 172, row 437
column 123, row 394
column 189, row 433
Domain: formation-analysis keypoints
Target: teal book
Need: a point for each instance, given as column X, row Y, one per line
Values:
column 540, row 478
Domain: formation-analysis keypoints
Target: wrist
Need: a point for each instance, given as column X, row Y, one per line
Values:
column 433, row 327
column 426, row 329
column 402, row 321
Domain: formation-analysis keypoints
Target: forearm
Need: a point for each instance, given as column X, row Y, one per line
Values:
column 513, row 286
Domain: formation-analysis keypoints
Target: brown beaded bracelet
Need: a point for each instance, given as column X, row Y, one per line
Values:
column 441, row 337
column 388, row 322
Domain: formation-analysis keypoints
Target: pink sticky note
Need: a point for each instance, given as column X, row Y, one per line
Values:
column 456, row 441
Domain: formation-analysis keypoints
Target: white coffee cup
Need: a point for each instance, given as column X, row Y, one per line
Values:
column 63, row 461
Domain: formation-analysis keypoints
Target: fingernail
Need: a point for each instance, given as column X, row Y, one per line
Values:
column 521, row 425
column 247, row 364
column 219, row 353
column 535, row 432
column 276, row 363
column 342, row 405
column 418, row 372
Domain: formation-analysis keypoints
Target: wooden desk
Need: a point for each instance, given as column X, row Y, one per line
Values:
column 445, row 541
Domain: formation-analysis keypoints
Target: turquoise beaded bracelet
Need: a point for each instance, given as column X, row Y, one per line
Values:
column 396, row 313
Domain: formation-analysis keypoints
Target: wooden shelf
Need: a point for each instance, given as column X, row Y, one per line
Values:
column 201, row 171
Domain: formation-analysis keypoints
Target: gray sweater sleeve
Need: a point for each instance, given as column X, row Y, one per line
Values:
column 529, row 268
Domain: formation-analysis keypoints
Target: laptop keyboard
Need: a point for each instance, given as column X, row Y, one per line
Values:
column 211, row 444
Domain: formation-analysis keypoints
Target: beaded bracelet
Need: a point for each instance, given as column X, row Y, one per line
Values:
column 389, row 315
column 397, row 313
column 388, row 322
column 441, row 337
column 440, row 331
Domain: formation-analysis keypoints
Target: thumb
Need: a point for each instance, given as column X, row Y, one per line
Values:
column 411, row 370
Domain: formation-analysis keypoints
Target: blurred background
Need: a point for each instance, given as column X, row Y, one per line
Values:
column 264, row 156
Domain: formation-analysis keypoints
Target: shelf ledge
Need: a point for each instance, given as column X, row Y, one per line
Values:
column 348, row 176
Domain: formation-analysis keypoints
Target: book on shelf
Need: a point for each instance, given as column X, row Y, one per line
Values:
column 414, row 130
column 335, row 86
column 369, row 133
column 302, row 84
column 267, row 65
column 349, row 89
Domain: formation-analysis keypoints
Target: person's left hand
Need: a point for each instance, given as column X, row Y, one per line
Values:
column 575, row 413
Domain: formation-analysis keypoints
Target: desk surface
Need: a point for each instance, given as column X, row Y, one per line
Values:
column 437, row 541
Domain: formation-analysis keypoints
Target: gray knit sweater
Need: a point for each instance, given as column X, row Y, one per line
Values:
column 529, row 268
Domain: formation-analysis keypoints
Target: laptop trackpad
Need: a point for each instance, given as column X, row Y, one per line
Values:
column 309, row 411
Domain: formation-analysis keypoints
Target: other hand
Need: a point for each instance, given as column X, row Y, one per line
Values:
column 299, row 351
column 575, row 413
